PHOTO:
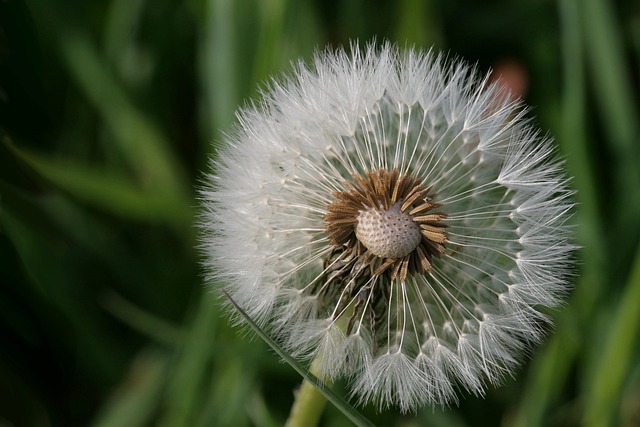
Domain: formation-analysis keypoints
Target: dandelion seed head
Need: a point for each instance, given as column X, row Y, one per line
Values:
column 394, row 214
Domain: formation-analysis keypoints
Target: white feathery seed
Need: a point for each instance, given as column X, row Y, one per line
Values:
column 396, row 215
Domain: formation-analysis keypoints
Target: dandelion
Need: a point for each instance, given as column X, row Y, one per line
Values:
column 396, row 217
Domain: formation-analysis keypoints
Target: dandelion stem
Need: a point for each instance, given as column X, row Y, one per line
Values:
column 310, row 400
column 308, row 405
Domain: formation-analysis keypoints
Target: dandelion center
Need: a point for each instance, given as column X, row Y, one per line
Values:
column 386, row 220
column 388, row 233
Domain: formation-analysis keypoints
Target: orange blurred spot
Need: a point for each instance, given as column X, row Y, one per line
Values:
column 511, row 76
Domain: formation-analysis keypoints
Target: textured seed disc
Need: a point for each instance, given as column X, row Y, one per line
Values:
column 388, row 233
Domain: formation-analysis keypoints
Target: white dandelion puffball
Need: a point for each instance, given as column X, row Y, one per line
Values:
column 394, row 216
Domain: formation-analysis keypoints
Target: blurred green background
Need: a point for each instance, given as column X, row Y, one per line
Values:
column 109, row 111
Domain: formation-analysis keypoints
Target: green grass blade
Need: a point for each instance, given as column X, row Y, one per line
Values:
column 612, row 82
column 138, row 319
column 136, row 401
column 603, row 394
column 417, row 24
column 270, row 40
column 143, row 145
column 107, row 191
column 185, row 385
column 218, row 68
column 620, row 113
column 353, row 415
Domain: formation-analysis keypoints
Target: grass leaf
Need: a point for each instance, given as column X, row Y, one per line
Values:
column 108, row 191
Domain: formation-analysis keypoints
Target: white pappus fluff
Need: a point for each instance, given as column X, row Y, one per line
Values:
column 348, row 134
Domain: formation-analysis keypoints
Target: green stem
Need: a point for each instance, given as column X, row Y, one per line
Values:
column 310, row 401
column 299, row 416
column 308, row 405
